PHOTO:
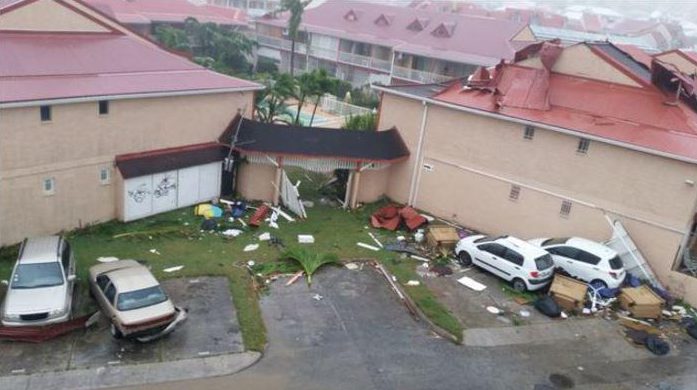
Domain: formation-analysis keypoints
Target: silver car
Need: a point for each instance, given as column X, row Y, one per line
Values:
column 40, row 289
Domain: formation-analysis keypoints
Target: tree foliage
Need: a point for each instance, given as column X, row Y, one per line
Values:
column 310, row 261
column 296, row 9
column 361, row 122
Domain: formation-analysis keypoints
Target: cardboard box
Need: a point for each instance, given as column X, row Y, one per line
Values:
column 642, row 302
column 568, row 293
column 445, row 237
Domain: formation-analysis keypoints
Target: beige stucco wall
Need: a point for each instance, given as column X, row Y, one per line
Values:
column 679, row 61
column 78, row 142
column 255, row 181
column 579, row 60
column 47, row 15
column 372, row 185
column 475, row 160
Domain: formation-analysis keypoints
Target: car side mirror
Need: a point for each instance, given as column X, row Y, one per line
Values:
column 71, row 278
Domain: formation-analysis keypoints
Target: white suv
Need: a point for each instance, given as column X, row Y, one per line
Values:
column 527, row 266
column 40, row 290
column 586, row 260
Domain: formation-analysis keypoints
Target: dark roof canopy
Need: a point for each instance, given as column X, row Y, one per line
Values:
column 316, row 142
column 163, row 160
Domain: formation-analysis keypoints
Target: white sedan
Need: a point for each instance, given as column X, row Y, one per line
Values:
column 586, row 260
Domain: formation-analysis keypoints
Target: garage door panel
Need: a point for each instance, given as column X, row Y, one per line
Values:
column 188, row 186
column 209, row 181
column 164, row 192
column 138, row 197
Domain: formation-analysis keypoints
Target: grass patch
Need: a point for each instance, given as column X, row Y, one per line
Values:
column 526, row 295
column 178, row 241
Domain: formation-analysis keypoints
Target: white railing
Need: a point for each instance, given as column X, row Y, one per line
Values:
column 419, row 75
column 322, row 52
column 365, row 61
column 332, row 105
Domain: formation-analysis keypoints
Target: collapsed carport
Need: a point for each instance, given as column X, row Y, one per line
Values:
column 264, row 149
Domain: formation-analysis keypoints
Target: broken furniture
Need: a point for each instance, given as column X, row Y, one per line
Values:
column 568, row 293
column 642, row 302
column 444, row 237
column 259, row 215
column 390, row 217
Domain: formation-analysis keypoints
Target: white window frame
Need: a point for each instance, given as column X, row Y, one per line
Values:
column 103, row 181
column 48, row 191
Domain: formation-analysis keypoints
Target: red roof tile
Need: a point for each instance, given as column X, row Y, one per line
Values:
column 168, row 11
column 635, row 116
column 471, row 39
column 86, row 65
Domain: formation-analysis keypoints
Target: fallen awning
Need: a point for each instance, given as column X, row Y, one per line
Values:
column 163, row 160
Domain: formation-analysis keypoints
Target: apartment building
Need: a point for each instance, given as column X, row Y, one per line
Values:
column 255, row 8
column 365, row 43
column 568, row 142
column 97, row 122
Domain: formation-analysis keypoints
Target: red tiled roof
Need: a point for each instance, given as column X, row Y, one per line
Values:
column 483, row 40
column 168, row 11
column 630, row 115
column 41, row 66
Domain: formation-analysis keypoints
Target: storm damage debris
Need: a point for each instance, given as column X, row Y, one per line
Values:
column 392, row 217
column 366, row 246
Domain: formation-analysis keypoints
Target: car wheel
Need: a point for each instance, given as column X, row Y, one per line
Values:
column 519, row 285
column 598, row 284
column 464, row 259
column 115, row 332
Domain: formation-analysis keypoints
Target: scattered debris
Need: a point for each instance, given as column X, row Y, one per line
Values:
column 251, row 263
column 204, row 353
column 428, row 217
column 568, row 293
column 471, row 283
column 351, row 266
column 259, row 215
column 564, row 315
column 415, row 257
column 441, row 270
column 306, row 239
column 265, row 236
column 294, row 278
column 308, row 203
column 366, row 246
column 283, row 214
column 375, row 239
column 232, row 232
column 390, row 217
column 401, row 238
column 524, row 313
column 209, row 224
column 642, row 302
column 173, row 269
column 251, row 247
column 208, row 210
column 155, row 252
column 107, row 259
column 413, row 283
column 402, row 247
column 419, row 236
column 317, row 297
column 493, row 310
column 444, row 237
column 548, row 306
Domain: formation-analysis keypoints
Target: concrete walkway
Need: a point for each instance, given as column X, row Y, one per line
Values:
column 133, row 375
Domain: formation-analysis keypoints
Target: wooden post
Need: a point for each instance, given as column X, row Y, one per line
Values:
column 277, row 187
column 349, row 190
column 356, row 183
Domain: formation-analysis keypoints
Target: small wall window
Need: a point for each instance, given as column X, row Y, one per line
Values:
column 529, row 132
column 583, row 145
column 103, row 107
column 45, row 113
column 515, row 193
column 49, row 186
column 565, row 208
column 105, row 175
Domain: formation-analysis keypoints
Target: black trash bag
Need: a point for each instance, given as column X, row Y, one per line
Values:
column 692, row 331
column 657, row 346
column 208, row 225
column 547, row 306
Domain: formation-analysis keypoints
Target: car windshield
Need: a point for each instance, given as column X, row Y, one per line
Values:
column 555, row 241
column 543, row 262
column 37, row 275
column 140, row 298
column 616, row 263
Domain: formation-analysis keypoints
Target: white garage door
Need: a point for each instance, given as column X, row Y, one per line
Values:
column 160, row 192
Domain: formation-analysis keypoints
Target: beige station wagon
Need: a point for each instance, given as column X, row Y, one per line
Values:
column 133, row 300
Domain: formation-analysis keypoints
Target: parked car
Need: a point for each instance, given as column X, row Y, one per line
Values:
column 133, row 300
column 40, row 289
column 586, row 260
column 526, row 266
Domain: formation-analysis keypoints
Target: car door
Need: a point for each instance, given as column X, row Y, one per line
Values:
column 587, row 266
column 102, row 283
column 512, row 264
column 489, row 257
column 565, row 258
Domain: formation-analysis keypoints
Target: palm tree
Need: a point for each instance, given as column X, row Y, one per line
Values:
column 296, row 9
column 310, row 261
column 270, row 104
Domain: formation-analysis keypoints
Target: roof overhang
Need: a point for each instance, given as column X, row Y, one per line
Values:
column 164, row 160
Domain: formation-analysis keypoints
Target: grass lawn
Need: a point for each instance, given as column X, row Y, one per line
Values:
column 209, row 254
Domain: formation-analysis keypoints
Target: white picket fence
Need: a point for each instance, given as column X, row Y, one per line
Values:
column 332, row 105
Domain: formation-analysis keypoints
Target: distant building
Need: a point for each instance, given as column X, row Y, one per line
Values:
column 255, row 8
column 143, row 16
column 101, row 123
column 363, row 43
column 563, row 143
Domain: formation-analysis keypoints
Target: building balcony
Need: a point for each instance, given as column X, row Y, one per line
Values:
column 419, row 75
column 365, row 61
column 320, row 52
column 281, row 43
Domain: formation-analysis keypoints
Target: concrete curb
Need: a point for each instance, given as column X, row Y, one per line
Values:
column 134, row 375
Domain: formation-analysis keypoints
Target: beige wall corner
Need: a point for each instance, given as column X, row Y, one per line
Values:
column 255, row 181
column 373, row 185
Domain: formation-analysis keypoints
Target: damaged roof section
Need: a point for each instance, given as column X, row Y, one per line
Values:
column 163, row 160
column 315, row 142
